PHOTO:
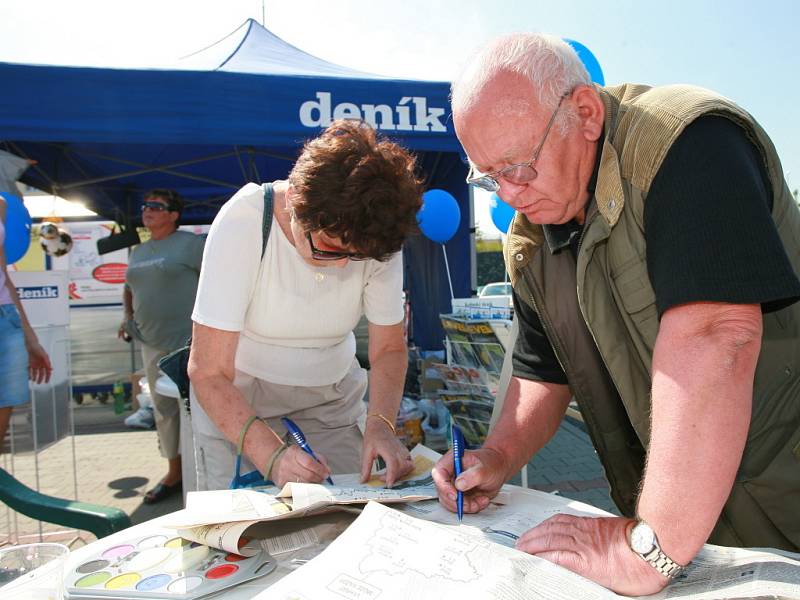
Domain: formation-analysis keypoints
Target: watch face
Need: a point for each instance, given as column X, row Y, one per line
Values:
column 642, row 538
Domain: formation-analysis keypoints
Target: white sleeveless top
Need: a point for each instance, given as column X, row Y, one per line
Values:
column 5, row 295
column 296, row 320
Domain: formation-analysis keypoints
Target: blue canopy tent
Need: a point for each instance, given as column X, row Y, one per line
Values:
column 234, row 112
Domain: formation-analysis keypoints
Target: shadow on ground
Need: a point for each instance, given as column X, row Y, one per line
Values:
column 127, row 486
column 138, row 486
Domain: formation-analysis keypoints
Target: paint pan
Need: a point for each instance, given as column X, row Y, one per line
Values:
column 158, row 564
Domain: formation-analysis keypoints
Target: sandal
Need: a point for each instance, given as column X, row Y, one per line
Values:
column 161, row 491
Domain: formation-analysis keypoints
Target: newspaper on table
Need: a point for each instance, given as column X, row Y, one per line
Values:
column 392, row 555
column 220, row 518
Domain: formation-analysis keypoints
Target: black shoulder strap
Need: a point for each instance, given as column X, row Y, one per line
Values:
column 266, row 222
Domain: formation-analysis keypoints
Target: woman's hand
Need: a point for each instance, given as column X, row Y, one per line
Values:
column 294, row 465
column 380, row 440
column 39, row 367
column 122, row 332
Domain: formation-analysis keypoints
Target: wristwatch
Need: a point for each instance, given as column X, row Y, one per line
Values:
column 643, row 541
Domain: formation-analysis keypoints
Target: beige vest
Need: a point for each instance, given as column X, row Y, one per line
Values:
column 620, row 320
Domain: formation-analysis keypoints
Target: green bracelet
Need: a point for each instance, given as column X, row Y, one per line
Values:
column 252, row 419
column 272, row 458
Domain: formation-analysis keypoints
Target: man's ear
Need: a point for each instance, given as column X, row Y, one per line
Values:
column 591, row 111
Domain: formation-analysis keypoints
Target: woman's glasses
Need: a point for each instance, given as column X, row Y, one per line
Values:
column 318, row 254
column 153, row 205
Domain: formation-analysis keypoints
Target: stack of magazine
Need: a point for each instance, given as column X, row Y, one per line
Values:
column 472, row 374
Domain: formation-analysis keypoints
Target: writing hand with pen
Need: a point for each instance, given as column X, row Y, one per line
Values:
column 299, row 438
column 483, row 473
column 299, row 463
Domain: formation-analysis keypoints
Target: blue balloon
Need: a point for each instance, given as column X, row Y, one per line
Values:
column 501, row 213
column 18, row 228
column 439, row 216
column 589, row 61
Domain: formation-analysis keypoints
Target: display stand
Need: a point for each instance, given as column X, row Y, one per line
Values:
column 47, row 419
column 496, row 370
column 476, row 335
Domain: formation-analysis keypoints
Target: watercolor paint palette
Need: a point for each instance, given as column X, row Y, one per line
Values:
column 163, row 565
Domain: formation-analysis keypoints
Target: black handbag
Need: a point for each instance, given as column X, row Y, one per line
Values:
column 175, row 365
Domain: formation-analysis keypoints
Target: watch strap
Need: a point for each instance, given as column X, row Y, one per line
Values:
column 662, row 563
column 654, row 556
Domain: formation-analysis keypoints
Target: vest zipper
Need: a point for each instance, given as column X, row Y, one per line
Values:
column 590, row 217
column 543, row 318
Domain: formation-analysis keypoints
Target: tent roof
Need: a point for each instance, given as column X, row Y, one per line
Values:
column 251, row 88
column 235, row 112
column 253, row 49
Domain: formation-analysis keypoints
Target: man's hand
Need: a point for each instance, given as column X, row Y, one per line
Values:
column 484, row 472
column 596, row 548
column 295, row 465
column 39, row 367
column 381, row 441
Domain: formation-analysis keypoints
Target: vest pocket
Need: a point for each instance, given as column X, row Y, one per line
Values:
column 632, row 285
column 777, row 489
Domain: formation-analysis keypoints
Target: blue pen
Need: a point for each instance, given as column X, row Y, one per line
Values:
column 300, row 440
column 458, row 454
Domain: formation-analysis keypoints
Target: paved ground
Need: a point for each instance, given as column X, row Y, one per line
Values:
column 114, row 466
column 569, row 465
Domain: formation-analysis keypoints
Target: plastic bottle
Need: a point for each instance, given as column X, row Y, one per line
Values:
column 118, row 391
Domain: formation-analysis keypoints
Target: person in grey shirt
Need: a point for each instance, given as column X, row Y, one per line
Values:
column 160, row 288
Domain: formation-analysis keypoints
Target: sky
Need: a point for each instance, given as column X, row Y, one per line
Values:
column 745, row 50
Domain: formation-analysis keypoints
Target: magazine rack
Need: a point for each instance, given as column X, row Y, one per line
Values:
column 471, row 375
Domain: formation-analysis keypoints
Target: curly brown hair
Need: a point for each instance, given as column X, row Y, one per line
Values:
column 358, row 188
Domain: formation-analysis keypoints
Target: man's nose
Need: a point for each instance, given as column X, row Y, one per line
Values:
column 509, row 192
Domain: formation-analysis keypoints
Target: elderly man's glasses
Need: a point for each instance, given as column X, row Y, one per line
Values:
column 153, row 205
column 318, row 254
column 518, row 173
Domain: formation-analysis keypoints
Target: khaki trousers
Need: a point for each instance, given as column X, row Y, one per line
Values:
column 332, row 418
column 166, row 409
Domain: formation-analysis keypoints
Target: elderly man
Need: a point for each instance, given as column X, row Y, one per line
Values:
column 654, row 261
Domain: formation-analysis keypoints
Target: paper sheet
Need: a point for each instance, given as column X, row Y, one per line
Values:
column 220, row 518
column 391, row 555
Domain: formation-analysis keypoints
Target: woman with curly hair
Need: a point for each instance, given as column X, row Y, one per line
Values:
column 273, row 333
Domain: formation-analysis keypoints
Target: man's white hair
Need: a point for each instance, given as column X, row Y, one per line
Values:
column 548, row 62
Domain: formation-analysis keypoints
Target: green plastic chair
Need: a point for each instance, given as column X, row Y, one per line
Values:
column 99, row 520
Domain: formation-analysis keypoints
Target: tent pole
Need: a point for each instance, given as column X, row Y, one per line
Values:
column 473, row 251
column 447, row 268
